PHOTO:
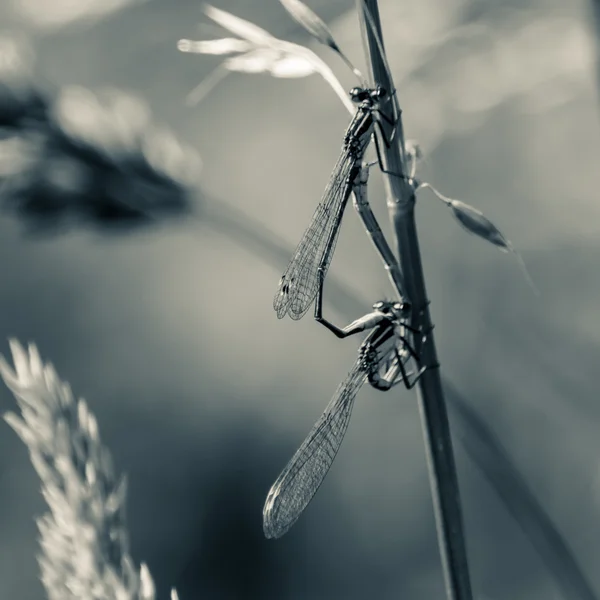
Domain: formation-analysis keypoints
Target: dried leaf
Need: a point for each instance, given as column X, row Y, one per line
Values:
column 246, row 30
column 217, row 47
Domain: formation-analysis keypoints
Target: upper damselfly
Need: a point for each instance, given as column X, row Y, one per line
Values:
column 311, row 259
column 386, row 357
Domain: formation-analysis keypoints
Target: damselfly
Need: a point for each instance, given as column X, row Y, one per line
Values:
column 299, row 283
column 383, row 361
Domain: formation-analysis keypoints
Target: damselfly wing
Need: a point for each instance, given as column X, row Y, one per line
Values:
column 385, row 348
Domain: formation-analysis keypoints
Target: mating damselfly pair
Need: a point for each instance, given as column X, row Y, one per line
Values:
column 399, row 347
column 389, row 355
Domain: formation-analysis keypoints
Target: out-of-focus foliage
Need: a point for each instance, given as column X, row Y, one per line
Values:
column 83, row 537
column 256, row 51
column 53, row 15
column 20, row 102
column 94, row 157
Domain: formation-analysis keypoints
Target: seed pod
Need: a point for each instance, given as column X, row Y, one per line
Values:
column 475, row 222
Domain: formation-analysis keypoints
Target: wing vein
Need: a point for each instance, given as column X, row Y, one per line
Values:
column 301, row 478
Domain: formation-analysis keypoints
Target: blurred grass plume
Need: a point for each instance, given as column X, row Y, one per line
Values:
column 257, row 51
column 84, row 539
column 92, row 158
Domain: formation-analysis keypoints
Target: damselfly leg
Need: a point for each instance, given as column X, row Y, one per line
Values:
column 355, row 327
column 391, row 319
column 396, row 371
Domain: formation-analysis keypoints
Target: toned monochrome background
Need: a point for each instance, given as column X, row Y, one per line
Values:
column 203, row 395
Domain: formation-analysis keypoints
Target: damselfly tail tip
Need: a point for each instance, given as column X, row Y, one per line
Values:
column 270, row 531
column 271, row 528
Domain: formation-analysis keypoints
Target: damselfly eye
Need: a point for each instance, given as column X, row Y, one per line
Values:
column 403, row 307
column 358, row 94
column 379, row 93
column 378, row 305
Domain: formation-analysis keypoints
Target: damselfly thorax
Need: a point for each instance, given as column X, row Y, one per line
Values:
column 361, row 128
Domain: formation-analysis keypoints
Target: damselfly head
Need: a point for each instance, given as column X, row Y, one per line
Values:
column 401, row 309
column 358, row 94
column 398, row 310
column 378, row 93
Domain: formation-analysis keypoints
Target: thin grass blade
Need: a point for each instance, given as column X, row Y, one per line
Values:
column 312, row 23
column 292, row 67
column 267, row 60
column 244, row 29
column 303, row 15
column 256, row 61
column 216, row 47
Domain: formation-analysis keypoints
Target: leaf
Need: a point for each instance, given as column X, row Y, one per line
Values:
column 292, row 67
column 249, row 31
column 221, row 46
column 256, row 61
column 303, row 15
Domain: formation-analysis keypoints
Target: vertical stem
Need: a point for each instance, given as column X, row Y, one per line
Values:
column 434, row 418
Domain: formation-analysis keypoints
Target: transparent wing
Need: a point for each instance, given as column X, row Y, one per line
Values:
column 298, row 284
column 303, row 475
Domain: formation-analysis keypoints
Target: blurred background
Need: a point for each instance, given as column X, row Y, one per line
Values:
column 203, row 395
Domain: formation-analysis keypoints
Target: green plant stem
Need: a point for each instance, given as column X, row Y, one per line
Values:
column 434, row 417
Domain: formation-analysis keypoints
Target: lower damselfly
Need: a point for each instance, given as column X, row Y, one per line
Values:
column 311, row 259
column 386, row 358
